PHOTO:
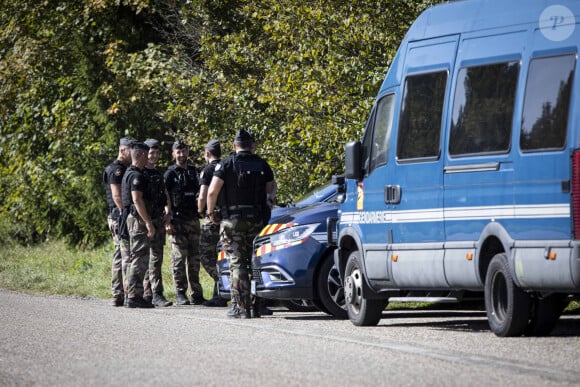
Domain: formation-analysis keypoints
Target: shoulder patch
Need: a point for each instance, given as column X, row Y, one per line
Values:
column 218, row 166
column 136, row 181
column 118, row 172
column 201, row 174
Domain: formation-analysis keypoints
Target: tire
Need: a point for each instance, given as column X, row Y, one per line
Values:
column 507, row 306
column 299, row 305
column 320, row 306
column 330, row 290
column 545, row 314
column 361, row 311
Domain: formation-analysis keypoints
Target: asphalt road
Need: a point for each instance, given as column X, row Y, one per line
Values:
column 64, row 341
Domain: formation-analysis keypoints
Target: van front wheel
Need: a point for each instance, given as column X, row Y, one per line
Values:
column 361, row 311
column 507, row 306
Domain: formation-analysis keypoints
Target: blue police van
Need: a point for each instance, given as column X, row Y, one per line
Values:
column 467, row 177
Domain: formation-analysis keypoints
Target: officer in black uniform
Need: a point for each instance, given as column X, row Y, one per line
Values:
column 210, row 232
column 161, row 208
column 139, row 206
column 182, row 183
column 246, row 185
column 112, row 179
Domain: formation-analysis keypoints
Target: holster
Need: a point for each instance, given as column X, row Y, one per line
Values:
column 123, row 229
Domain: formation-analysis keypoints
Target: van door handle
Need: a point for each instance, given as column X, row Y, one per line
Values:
column 392, row 194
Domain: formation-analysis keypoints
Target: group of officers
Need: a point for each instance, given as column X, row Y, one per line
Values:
column 229, row 201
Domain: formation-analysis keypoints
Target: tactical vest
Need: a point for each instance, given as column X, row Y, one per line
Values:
column 184, row 192
column 128, row 204
column 246, row 183
column 108, row 170
column 156, row 191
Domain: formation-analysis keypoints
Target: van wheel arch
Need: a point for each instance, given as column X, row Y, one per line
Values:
column 493, row 240
column 347, row 244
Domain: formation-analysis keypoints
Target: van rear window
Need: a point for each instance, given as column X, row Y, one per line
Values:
column 421, row 112
column 547, row 103
column 483, row 109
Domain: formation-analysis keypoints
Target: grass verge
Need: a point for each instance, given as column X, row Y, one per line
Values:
column 54, row 268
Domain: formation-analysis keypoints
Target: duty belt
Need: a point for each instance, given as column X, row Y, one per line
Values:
column 244, row 212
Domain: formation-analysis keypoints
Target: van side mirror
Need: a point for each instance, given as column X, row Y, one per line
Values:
column 353, row 162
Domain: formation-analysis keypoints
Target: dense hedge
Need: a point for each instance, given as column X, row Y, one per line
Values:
column 76, row 76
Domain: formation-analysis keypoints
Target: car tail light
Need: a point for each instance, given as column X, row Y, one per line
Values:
column 576, row 193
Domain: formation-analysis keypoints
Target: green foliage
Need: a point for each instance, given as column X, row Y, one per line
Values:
column 77, row 76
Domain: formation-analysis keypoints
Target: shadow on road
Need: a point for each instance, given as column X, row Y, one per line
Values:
column 463, row 321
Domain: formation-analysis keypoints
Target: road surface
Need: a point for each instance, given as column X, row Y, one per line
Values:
column 66, row 341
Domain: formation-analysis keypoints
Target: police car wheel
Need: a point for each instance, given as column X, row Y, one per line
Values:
column 330, row 290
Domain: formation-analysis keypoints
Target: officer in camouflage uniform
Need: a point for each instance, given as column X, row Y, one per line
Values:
column 138, row 202
column 210, row 232
column 153, row 284
column 112, row 179
column 245, row 183
column 182, row 183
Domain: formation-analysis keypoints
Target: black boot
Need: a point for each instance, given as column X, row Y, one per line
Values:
column 160, row 301
column 181, row 299
column 197, row 299
column 216, row 300
column 236, row 312
column 138, row 302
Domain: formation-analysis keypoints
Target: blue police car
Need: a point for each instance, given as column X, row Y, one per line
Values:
column 292, row 261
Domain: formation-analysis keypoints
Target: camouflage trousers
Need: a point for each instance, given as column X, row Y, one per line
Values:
column 208, row 240
column 153, row 283
column 120, row 259
column 139, row 255
column 237, row 236
column 185, row 259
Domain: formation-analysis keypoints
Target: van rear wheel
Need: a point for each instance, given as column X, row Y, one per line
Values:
column 361, row 310
column 545, row 314
column 507, row 306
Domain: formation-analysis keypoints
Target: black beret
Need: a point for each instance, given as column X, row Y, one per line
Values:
column 139, row 145
column 152, row 143
column 178, row 145
column 243, row 137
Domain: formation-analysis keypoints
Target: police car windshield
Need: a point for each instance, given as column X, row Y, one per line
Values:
column 326, row 193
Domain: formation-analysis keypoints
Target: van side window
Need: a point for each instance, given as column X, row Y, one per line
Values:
column 382, row 131
column 483, row 109
column 421, row 114
column 547, row 103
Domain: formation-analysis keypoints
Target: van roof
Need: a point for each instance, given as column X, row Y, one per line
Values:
column 467, row 16
column 473, row 15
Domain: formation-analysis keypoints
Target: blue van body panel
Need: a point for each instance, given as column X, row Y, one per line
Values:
column 456, row 209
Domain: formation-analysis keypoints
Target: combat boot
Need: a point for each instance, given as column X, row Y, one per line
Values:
column 216, row 301
column 197, row 299
column 238, row 313
column 148, row 298
column 138, row 302
column 118, row 301
column 181, row 299
column 160, row 301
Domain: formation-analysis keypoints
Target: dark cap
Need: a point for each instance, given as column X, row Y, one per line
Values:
column 152, row 143
column 244, row 137
column 125, row 141
column 178, row 145
column 214, row 147
column 139, row 145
